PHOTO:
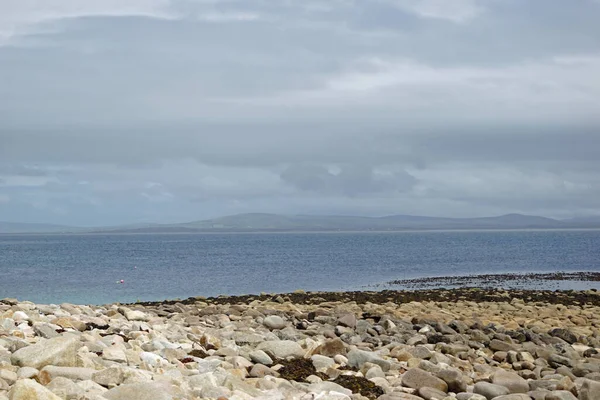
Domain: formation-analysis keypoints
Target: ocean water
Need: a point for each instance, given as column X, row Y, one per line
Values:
column 86, row 269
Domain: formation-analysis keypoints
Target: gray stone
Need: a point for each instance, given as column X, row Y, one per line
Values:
column 500, row 345
column 564, row 334
column 327, row 386
column 416, row 378
column 429, row 393
column 348, row 320
column 260, row 357
column 560, row 395
column 489, row 390
column 399, row 396
column 356, row 359
column 281, row 349
column 515, row 396
column 244, row 338
column 140, row 391
column 274, row 322
column 44, row 330
column 109, row 377
column 321, row 363
column 510, row 380
column 8, row 376
column 375, row 372
column 454, row 379
column 134, row 315
column 27, row 372
column 60, row 351
column 65, row 388
column 469, row 396
column 260, row 371
column 590, row 390
column 28, row 389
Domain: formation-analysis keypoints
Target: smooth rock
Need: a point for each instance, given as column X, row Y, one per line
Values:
column 356, row 359
column 590, row 390
column 59, row 351
column 348, row 320
column 469, row 396
column 140, row 391
column 332, row 348
column 28, row 389
column 429, row 393
column 260, row 357
column 560, row 395
column 274, row 322
column 515, row 396
column 510, row 380
column 416, row 378
column 49, row 373
column 281, row 349
column 65, row 388
column 109, row 377
column 490, row 390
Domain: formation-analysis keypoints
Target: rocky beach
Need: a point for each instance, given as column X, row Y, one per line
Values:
column 464, row 344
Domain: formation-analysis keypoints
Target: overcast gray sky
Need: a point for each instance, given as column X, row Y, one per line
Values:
column 124, row 111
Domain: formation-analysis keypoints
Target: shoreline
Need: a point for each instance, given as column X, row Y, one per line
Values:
column 436, row 344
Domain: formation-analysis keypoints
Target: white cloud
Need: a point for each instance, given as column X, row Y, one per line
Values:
column 458, row 11
column 229, row 16
column 563, row 86
column 18, row 17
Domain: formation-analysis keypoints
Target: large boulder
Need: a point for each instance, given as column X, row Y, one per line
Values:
column 60, row 351
column 28, row 389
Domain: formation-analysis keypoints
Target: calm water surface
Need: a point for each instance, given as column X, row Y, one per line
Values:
column 86, row 268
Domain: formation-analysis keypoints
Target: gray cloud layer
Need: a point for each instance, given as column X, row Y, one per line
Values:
column 163, row 110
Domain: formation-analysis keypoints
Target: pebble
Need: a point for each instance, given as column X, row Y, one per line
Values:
column 271, row 348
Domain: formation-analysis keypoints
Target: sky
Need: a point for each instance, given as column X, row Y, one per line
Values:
column 130, row 111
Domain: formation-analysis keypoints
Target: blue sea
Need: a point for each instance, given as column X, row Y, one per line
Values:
column 87, row 269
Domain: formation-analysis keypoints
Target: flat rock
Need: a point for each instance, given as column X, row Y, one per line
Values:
column 510, row 380
column 515, row 396
column 564, row 334
column 140, row 391
column 65, row 389
column 28, row 389
column 281, row 349
column 417, row 378
column 348, row 320
column 47, row 374
column 260, row 357
column 357, row 358
column 59, row 351
column 109, row 377
column 560, row 395
column 274, row 322
column 429, row 393
column 490, row 390
column 590, row 390
column 332, row 348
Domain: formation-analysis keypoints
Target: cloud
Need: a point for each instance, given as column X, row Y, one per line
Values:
column 458, row 11
column 155, row 110
column 18, row 17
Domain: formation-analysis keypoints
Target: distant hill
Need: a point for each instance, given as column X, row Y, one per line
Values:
column 257, row 222
column 14, row 227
